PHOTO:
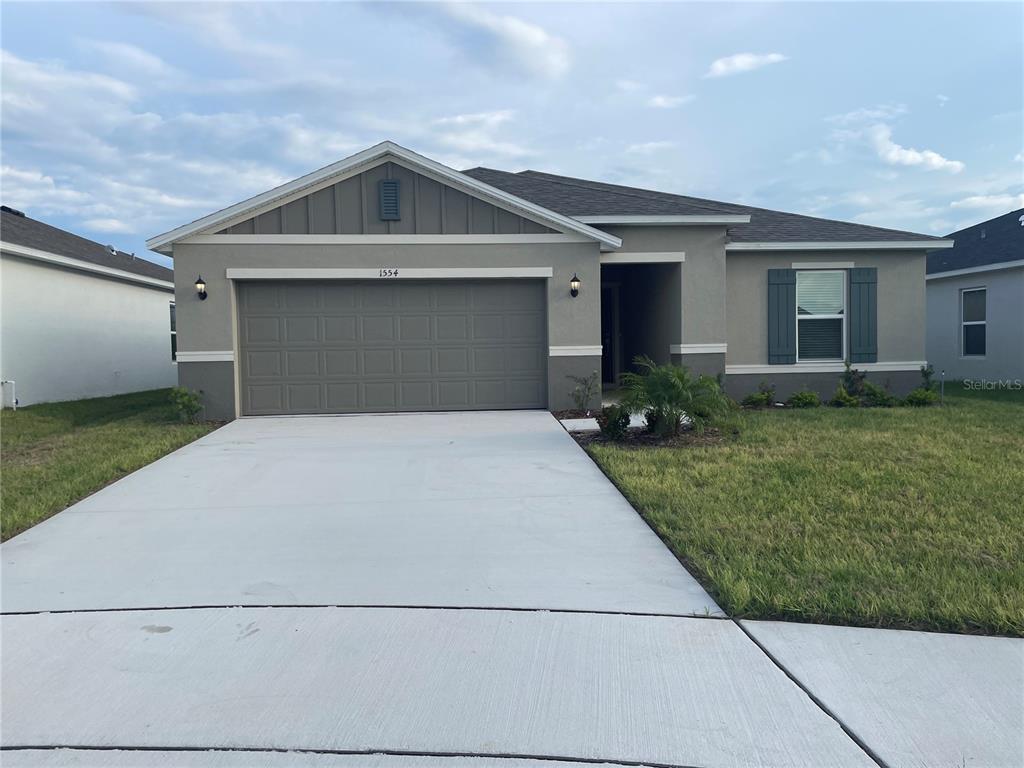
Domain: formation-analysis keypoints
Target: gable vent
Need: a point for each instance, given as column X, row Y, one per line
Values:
column 389, row 194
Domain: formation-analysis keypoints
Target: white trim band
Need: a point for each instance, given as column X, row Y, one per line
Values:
column 647, row 257
column 975, row 270
column 823, row 265
column 698, row 349
column 650, row 221
column 225, row 356
column 84, row 266
column 739, row 370
column 382, row 239
column 845, row 245
column 374, row 273
column 594, row 351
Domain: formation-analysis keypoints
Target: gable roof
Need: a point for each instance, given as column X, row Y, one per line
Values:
column 580, row 197
column 20, row 230
column 996, row 241
column 368, row 158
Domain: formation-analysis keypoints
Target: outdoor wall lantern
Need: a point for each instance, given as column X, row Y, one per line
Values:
column 574, row 286
column 201, row 288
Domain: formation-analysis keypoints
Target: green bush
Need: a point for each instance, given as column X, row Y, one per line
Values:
column 613, row 421
column 805, row 398
column 843, row 399
column 928, row 377
column 876, row 397
column 763, row 398
column 665, row 393
column 584, row 392
column 853, row 381
column 187, row 403
column 921, row 397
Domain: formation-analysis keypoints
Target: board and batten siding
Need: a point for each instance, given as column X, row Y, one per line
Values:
column 351, row 207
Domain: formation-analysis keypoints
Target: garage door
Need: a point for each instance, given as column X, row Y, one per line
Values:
column 389, row 345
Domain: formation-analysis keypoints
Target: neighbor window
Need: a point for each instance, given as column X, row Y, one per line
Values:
column 972, row 321
column 174, row 334
column 820, row 315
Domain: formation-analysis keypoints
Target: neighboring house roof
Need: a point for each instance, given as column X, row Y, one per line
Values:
column 368, row 158
column 997, row 241
column 16, row 229
column 579, row 197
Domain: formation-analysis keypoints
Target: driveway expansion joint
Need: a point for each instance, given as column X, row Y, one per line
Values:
column 353, row 752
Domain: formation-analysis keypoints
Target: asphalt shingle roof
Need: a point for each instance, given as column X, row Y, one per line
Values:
column 31, row 233
column 991, row 242
column 580, row 197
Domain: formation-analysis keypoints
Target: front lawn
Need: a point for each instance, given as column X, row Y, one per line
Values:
column 899, row 517
column 57, row 453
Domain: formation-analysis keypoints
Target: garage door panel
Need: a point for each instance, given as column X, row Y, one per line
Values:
column 330, row 347
column 343, row 328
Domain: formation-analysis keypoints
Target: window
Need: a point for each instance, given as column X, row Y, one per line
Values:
column 174, row 334
column 972, row 322
column 820, row 315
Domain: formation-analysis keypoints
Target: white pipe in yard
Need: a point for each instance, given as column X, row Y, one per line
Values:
column 14, row 391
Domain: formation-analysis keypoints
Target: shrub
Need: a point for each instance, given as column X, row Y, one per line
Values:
column 613, row 421
column 664, row 393
column 763, row 398
column 927, row 376
column 187, row 403
column 843, row 399
column 876, row 397
column 584, row 392
column 853, row 381
column 805, row 398
column 921, row 397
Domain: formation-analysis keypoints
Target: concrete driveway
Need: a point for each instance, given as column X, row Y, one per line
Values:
column 429, row 590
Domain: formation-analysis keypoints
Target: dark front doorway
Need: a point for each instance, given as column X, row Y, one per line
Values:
column 611, row 336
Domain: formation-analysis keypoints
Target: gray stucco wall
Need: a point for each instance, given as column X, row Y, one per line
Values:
column 1004, row 342
column 215, row 383
column 210, row 326
column 901, row 300
column 707, row 364
column 351, row 206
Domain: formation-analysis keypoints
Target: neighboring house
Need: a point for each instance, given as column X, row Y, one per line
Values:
column 79, row 319
column 976, row 302
column 388, row 281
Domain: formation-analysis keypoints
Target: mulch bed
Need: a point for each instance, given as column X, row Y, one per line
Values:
column 638, row 438
column 573, row 413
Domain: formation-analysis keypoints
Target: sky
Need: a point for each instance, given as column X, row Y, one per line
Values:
column 123, row 120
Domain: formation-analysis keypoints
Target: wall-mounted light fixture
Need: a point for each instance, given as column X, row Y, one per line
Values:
column 201, row 288
column 574, row 286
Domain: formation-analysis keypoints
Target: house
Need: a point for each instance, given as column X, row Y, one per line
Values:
column 388, row 281
column 79, row 319
column 976, row 302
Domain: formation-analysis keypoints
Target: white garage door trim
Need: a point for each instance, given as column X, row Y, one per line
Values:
column 382, row 273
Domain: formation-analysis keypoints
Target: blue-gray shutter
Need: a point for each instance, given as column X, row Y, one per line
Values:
column 864, row 315
column 389, row 197
column 781, row 316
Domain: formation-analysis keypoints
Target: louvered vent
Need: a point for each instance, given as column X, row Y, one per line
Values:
column 389, row 194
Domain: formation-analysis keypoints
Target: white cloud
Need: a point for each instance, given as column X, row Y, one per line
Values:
column 221, row 26
column 892, row 153
column 628, row 85
column 109, row 225
column 941, row 99
column 1019, row 157
column 661, row 101
column 130, row 58
column 529, row 46
column 990, row 202
column 742, row 62
column 869, row 114
column 488, row 119
column 649, row 147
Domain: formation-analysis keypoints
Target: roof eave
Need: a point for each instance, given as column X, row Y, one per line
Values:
column 669, row 220
column 841, row 245
column 80, row 265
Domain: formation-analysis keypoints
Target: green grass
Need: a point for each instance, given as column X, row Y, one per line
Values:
column 57, row 453
column 902, row 517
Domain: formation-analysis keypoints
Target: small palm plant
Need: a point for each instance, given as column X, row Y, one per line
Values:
column 667, row 393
